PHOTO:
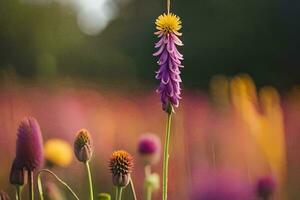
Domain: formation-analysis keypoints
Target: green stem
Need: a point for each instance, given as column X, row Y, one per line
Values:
column 168, row 5
column 31, row 186
column 147, row 170
column 148, row 193
column 120, row 190
column 117, row 193
column 166, row 156
column 133, row 189
column 40, row 188
column 90, row 180
column 19, row 192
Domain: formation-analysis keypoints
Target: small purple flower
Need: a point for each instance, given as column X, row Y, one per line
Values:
column 29, row 153
column 149, row 147
column 265, row 187
column 169, row 61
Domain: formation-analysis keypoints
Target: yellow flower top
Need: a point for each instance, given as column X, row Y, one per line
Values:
column 58, row 152
column 168, row 23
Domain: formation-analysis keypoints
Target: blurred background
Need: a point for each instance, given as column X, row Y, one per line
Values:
column 89, row 63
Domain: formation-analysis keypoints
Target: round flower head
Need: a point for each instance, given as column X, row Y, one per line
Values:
column 149, row 147
column 17, row 176
column 168, row 26
column 104, row 196
column 121, row 165
column 83, row 146
column 58, row 152
column 29, row 153
column 265, row 187
column 4, row 196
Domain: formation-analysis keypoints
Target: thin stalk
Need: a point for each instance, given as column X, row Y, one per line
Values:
column 147, row 170
column 40, row 188
column 90, row 180
column 120, row 190
column 166, row 156
column 132, row 189
column 31, row 186
column 19, row 192
column 117, row 193
column 168, row 5
column 148, row 193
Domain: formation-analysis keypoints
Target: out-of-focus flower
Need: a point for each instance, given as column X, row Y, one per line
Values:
column 29, row 153
column 58, row 152
column 4, row 196
column 149, row 147
column 83, row 147
column 121, row 165
column 221, row 187
column 17, row 176
column 104, row 196
column 152, row 181
column 52, row 192
column 263, row 116
column 265, row 187
column 168, row 26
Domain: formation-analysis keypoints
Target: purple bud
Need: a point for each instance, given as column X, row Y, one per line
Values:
column 17, row 176
column 265, row 187
column 149, row 147
column 29, row 153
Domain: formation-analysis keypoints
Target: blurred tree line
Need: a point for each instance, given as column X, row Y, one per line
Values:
column 259, row 37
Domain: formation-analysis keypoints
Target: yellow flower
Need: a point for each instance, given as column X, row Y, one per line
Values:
column 168, row 23
column 58, row 152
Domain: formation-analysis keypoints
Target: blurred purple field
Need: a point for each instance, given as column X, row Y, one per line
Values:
column 236, row 131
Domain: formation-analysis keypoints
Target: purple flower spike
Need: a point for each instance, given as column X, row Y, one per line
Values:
column 169, row 61
column 265, row 187
column 29, row 153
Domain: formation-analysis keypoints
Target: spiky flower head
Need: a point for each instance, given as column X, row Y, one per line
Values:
column 18, row 176
column 58, row 152
column 104, row 196
column 29, row 150
column 83, row 147
column 265, row 187
column 168, row 26
column 149, row 147
column 121, row 165
column 168, row 23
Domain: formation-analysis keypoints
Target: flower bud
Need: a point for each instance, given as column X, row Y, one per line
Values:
column 104, row 196
column 29, row 152
column 83, row 146
column 4, row 196
column 120, row 180
column 149, row 148
column 121, row 164
column 152, row 181
column 18, row 176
